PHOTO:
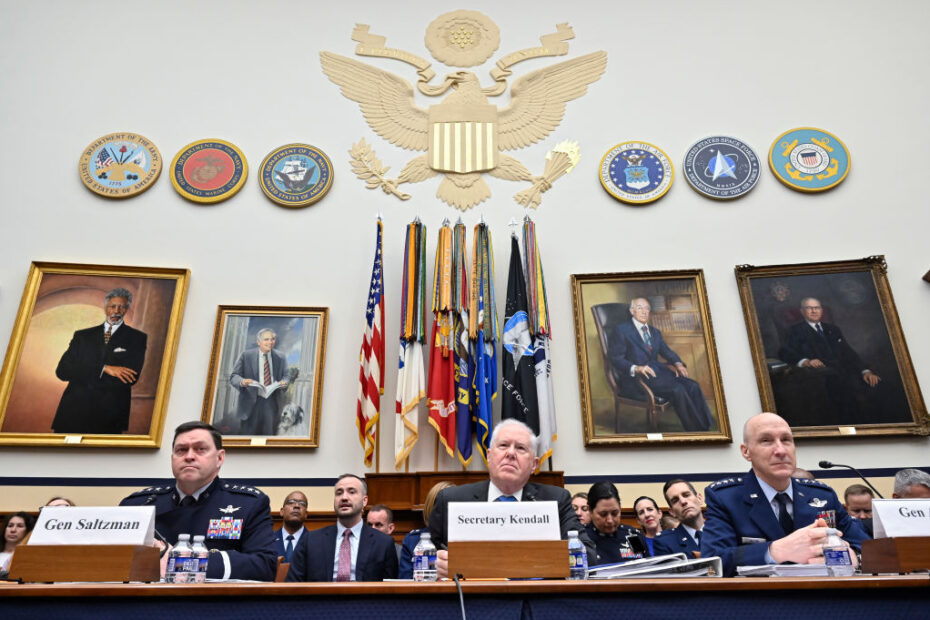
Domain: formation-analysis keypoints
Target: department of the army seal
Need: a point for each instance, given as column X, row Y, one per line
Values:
column 296, row 175
column 809, row 159
column 120, row 165
column 636, row 172
column 209, row 171
column 721, row 167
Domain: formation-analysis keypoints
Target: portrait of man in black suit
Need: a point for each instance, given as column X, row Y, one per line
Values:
column 101, row 365
column 257, row 371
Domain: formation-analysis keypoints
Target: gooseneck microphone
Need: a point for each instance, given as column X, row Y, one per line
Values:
column 828, row 465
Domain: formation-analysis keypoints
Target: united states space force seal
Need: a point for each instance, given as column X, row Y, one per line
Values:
column 721, row 167
column 809, row 159
column 209, row 171
column 636, row 172
column 120, row 165
column 296, row 175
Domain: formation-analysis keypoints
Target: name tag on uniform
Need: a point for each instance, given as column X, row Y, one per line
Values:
column 227, row 528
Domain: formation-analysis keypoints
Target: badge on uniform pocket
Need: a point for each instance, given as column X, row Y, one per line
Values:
column 227, row 528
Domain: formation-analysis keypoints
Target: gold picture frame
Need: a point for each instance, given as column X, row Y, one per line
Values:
column 859, row 326
column 620, row 402
column 60, row 385
column 289, row 416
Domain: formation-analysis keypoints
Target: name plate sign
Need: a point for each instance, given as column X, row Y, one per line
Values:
column 94, row 525
column 478, row 521
column 901, row 517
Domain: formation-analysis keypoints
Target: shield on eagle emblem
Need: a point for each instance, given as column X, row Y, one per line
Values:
column 462, row 138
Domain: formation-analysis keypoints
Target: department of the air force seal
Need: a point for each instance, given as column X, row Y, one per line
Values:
column 296, row 175
column 209, row 171
column 636, row 172
column 120, row 165
column 809, row 159
column 722, row 168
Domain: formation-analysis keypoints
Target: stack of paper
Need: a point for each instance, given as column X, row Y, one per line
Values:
column 675, row 565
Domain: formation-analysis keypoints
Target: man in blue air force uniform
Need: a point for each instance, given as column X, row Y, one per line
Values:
column 684, row 503
column 235, row 519
column 766, row 516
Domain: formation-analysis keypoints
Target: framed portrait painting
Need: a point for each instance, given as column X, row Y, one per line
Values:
column 828, row 350
column 91, row 356
column 647, row 361
column 265, row 384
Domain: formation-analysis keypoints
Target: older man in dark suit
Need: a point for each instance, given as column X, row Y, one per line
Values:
column 258, row 370
column 101, row 365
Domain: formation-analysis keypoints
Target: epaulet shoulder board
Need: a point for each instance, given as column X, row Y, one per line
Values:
column 153, row 491
column 242, row 489
column 726, row 482
column 812, row 483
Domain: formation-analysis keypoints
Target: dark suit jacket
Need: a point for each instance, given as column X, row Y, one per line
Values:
column 740, row 523
column 532, row 492
column 94, row 402
column 675, row 541
column 247, row 367
column 279, row 535
column 626, row 348
column 315, row 556
column 803, row 342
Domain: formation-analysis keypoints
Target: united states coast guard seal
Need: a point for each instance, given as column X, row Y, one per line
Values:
column 296, row 175
column 809, row 159
column 722, row 168
column 209, row 171
column 120, row 165
column 636, row 172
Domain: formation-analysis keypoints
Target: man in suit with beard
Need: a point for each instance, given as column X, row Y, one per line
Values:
column 261, row 368
column 101, row 365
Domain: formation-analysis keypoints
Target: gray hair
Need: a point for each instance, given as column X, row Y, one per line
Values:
column 119, row 292
column 907, row 478
column 263, row 330
column 518, row 424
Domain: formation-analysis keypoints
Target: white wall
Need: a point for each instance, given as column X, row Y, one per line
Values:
column 248, row 72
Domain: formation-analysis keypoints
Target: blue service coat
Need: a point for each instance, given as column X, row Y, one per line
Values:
column 675, row 541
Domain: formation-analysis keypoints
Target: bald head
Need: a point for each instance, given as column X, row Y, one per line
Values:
column 769, row 445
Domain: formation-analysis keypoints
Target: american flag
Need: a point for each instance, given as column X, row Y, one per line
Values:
column 371, row 359
column 104, row 159
column 810, row 158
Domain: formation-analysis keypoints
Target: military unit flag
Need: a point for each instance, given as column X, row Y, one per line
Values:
column 440, row 390
column 371, row 358
column 483, row 331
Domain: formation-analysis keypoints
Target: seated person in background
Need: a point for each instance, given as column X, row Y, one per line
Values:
column 911, row 483
column 381, row 518
column 669, row 522
column 511, row 460
column 800, row 472
column 350, row 550
column 650, row 519
column 405, row 564
column 765, row 516
column 614, row 542
column 684, row 503
column 580, row 504
column 858, row 502
column 15, row 529
column 294, row 513
column 59, row 501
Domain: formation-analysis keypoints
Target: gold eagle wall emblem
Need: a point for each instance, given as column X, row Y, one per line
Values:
column 465, row 134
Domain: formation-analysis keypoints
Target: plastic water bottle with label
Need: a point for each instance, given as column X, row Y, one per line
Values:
column 424, row 559
column 577, row 557
column 178, row 558
column 838, row 556
column 200, row 558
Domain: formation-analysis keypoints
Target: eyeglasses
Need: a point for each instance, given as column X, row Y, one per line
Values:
column 295, row 502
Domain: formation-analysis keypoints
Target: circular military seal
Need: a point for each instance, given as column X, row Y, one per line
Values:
column 120, row 165
column 636, row 172
column 208, row 171
column 809, row 159
column 296, row 175
column 721, row 167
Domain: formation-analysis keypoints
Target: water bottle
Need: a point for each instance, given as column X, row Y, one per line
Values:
column 577, row 557
column 837, row 555
column 176, row 571
column 424, row 559
column 200, row 557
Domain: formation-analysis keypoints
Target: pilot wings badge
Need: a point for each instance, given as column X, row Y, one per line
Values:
column 464, row 135
column 229, row 509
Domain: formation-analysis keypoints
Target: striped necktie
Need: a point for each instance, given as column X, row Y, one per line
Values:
column 107, row 334
column 267, row 377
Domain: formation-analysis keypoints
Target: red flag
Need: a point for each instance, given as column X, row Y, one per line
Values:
column 440, row 390
column 371, row 359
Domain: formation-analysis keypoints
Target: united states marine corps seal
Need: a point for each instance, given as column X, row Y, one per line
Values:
column 120, row 165
column 721, row 167
column 809, row 159
column 636, row 173
column 208, row 171
column 296, row 175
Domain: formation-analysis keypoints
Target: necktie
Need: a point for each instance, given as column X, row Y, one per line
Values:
column 289, row 549
column 107, row 334
column 267, row 377
column 647, row 337
column 697, row 537
column 820, row 330
column 188, row 500
column 784, row 519
column 345, row 558
column 506, row 498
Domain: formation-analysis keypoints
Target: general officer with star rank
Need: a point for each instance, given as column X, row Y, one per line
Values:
column 235, row 520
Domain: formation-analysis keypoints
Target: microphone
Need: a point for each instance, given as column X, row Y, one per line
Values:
column 828, row 465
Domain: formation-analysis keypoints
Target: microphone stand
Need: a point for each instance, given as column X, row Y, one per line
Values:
column 828, row 465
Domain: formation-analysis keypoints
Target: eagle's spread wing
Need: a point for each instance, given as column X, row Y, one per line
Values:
column 386, row 100
column 538, row 99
